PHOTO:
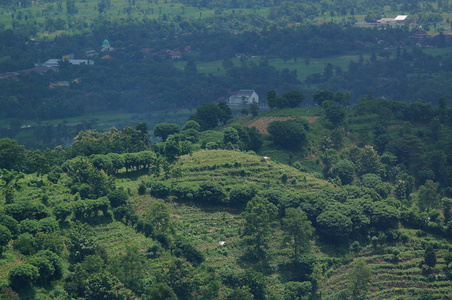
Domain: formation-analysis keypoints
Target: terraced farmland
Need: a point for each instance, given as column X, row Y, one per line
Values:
column 395, row 278
column 231, row 167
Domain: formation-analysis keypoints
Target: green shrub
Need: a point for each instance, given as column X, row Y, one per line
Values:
column 241, row 194
column 117, row 197
column 21, row 277
column 160, row 189
column 187, row 250
column 142, row 188
column 210, row 192
column 294, row 290
column 50, row 241
column 26, row 244
column 30, row 226
column 48, row 224
column 183, row 192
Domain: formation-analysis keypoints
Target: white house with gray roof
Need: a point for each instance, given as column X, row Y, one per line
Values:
column 243, row 97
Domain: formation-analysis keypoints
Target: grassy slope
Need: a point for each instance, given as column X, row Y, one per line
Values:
column 316, row 65
column 206, row 225
column 230, row 165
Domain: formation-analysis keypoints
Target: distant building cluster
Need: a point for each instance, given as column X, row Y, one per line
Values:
column 90, row 55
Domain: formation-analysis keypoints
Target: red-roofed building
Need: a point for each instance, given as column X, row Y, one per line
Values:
column 176, row 55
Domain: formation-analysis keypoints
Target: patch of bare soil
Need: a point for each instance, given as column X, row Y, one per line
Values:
column 262, row 123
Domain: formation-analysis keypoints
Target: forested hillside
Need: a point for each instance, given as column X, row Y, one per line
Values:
column 359, row 207
column 128, row 170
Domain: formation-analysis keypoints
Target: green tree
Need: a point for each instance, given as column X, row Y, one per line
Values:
column 294, row 290
column 230, row 136
column 5, row 237
column 12, row 154
column 9, row 192
column 38, row 163
column 129, row 268
column 26, row 244
column 254, row 108
column 10, row 223
column 342, row 98
column 160, row 189
column 103, row 285
column 45, row 268
column 384, row 216
column 180, row 276
column 297, row 229
column 82, row 171
column 22, row 277
column 50, row 241
column 210, row 192
column 271, row 99
column 117, row 197
column 172, row 148
column 289, row 134
column 370, row 180
column 333, row 112
column 428, row 197
column 190, row 124
column 242, row 293
column 11, row 177
column 448, row 258
column 161, row 291
column 226, row 112
column 430, row 256
column 142, row 127
column 164, row 130
column 359, row 280
column 290, row 99
column 89, row 142
column 345, row 170
column 117, row 161
column 62, row 211
column 323, row 95
column 260, row 216
column 159, row 216
column 333, row 225
column 80, row 243
column 30, row 226
column 241, row 194
column 208, row 116
column 368, row 161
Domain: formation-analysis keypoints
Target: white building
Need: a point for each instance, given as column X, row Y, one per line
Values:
column 243, row 97
column 400, row 19
column 54, row 62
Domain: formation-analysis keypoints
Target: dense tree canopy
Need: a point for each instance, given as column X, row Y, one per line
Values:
column 290, row 134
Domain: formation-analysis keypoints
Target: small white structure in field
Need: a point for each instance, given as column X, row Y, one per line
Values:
column 222, row 243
